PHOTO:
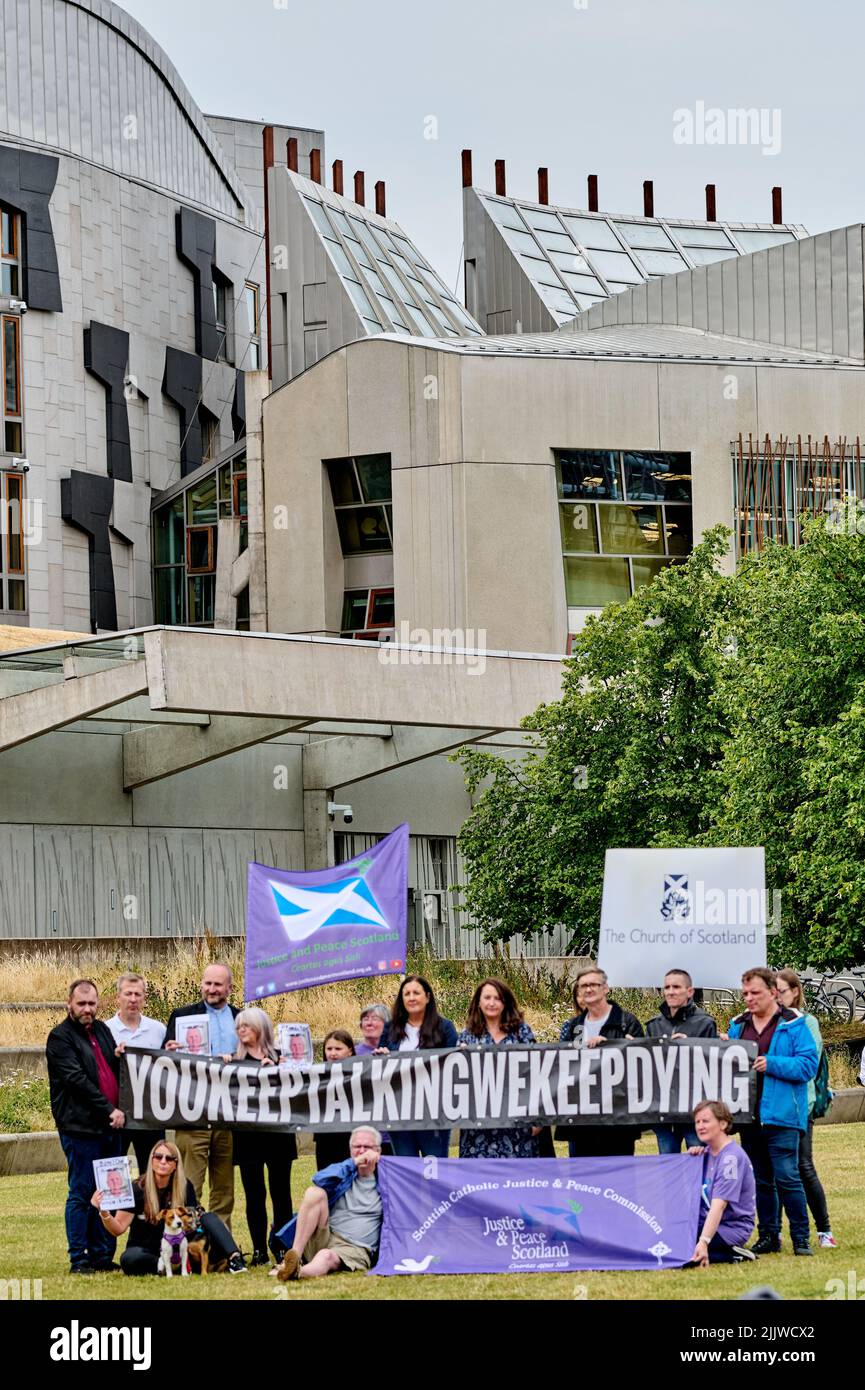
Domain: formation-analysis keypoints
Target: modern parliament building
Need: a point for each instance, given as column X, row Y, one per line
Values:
column 247, row 426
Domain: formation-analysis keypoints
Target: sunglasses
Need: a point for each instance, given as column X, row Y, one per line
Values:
column 165, row 1158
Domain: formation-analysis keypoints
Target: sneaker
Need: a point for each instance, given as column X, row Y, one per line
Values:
column 827, row 1240
column 767, row 1245
column 290, row 1267
column 740, row 1253
column 236, row 1265
column 259, row 1257
column 803, row 1249
column 82, row 1268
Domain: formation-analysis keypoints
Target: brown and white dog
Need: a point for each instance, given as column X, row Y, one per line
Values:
column 174, row 1247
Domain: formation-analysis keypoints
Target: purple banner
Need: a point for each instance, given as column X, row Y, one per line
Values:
column 509, row 1216
column 314, row 928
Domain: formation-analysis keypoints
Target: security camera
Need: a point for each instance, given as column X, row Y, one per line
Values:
column 21, row 465
column 334, row 809
column 17, row 306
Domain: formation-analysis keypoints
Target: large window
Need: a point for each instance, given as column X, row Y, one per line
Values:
column 185, row 535
column 624, row 515
column 10, row 253
column 13, row 598
column 361, row 490
column 252, row 299
column 778, row 481
column 10, row 359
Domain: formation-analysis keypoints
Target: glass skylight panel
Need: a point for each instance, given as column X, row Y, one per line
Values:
column 521, row 241
column 593, row 232
column 319, row 216
column 583, row 284
column 341, row 221
column 559, row 300
column 702, row 236
column 706, row 255
column 759, row 241
column 343, row 263
column 557, row 241
column 571, row 260
column 542, row 220
column 642, row 234
column 393, row 280
column 392, row 312
column 504, row 213
column 615, row 265
column 360, row 298
column 661, row 262
column 373, row 325
column 363, row 231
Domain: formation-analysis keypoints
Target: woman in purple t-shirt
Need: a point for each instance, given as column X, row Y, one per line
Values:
column 729, row 1196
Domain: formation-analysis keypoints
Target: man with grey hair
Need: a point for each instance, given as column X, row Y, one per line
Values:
column 338, row 1225
column 134, row 1029
column 208, row 1152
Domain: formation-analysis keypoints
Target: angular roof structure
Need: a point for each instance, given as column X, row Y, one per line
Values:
column 533, row 267
column 348, row 273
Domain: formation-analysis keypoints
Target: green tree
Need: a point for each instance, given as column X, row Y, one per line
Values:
column 622, row 759
column 707, row 710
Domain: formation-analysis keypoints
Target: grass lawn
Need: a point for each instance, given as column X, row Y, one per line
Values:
column 32, row 1246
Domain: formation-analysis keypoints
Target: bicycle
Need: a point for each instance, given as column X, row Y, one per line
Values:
column 837, row 1004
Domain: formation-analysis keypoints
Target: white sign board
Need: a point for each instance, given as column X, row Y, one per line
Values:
column 701, row 910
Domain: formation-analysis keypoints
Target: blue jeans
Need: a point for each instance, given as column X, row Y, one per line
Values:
column 671, row 1137
column 87, row 1238
column 423, row 1143
column 774, row 1154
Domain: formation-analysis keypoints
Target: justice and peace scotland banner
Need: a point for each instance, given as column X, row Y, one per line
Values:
column 647, row 1082
column 476, row 1216
column 332, row 924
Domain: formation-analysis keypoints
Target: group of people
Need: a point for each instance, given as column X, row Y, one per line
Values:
column 339, row 1220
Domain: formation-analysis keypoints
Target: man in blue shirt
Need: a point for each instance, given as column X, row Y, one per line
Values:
column 339, row 1222
column 208, row 1152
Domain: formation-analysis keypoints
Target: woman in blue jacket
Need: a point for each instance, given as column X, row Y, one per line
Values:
column 417, row 1023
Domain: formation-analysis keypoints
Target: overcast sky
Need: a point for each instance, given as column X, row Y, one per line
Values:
column 583, row 86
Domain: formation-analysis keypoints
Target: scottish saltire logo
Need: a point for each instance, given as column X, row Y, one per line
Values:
column 676, row 900
column 305, row 911
column 323, row 925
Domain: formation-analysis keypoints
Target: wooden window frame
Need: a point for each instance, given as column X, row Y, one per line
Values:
column 16, row 478
column 193, row 569
column 370, row 605
column 16, row 415
column 235, row 510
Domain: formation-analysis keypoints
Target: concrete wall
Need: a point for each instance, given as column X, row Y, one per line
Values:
column 471, row 438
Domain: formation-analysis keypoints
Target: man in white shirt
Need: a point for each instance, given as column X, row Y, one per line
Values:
column 133, row 1028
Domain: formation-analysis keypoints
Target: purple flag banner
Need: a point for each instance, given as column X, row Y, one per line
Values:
column 509, row 1216
column 315, row 928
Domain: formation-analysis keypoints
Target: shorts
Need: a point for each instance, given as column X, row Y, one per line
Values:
column 353, row 1257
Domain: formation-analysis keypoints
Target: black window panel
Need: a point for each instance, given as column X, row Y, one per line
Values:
column 592, row 473
column 354, row 610
column 343, row 483
column 656, row 477
column 169, row 596
column 679, row 524
column 201, row 590
column 383, row 609
column 242, row 618
column 168, row 534
column 375, row 479
column 201, row 548
column 363, row 530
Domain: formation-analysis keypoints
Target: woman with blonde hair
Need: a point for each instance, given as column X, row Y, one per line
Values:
column 256, row 1150
column 792, row 996
column 163, row 1185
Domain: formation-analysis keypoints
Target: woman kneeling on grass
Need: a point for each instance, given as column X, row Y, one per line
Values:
column 164, row 1185
column 729, row 1197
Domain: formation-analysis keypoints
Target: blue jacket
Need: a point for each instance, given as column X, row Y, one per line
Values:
column 336, row 1180
column 791, row 1062
column 448, row 1039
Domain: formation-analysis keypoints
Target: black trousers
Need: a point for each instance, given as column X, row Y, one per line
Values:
column 599, row 1141
column 252, row 1168
column 137, row 1259
column 814, row 1193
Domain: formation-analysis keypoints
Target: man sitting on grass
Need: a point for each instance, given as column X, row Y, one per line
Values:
column 339, row 1222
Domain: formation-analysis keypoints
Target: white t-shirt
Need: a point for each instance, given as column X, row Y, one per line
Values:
column 411, row 1040
column 149, row 1033
column 592, row 1026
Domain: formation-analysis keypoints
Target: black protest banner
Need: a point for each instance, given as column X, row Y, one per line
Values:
column 620, row 1083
